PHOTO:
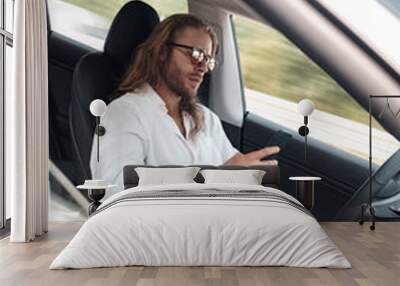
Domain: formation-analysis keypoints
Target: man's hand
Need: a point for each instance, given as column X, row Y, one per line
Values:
column 255, row 157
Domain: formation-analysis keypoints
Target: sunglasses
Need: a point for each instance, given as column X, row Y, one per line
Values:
column 198, row 56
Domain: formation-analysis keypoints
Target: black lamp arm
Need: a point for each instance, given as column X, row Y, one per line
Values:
column 303, row 131
column 99, row 130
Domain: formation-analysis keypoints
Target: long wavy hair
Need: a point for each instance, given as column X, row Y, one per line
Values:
column 151, row 56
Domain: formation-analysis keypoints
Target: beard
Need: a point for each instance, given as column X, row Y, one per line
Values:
column 174, row 79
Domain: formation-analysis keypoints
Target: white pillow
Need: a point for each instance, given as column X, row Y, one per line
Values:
column 162, row 176
column 249, row 177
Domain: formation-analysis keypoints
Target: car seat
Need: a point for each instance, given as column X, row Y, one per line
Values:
column 97, row 75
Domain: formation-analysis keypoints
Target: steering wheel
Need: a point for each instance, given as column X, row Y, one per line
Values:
column 385, row 192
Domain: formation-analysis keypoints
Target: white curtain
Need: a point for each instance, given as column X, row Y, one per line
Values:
column 27, row 123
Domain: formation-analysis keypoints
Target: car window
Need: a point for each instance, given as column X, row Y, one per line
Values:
column 88, row 21
column 277, row 75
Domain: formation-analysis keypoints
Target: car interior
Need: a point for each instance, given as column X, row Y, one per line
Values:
column 79, row 73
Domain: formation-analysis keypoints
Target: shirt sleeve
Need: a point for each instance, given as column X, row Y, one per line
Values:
column 226, row 149
column 124, row 143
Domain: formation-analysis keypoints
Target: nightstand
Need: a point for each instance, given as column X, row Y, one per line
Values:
column 305, row 190
column 96, row 191
column 95, row 195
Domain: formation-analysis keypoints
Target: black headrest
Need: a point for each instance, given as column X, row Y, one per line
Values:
column 131, row 26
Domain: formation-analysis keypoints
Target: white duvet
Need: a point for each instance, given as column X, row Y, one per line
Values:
column 200, row 231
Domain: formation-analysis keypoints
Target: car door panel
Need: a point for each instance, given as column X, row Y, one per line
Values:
column 341, row 172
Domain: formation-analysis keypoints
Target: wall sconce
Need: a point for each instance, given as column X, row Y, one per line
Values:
column 98, row 108
column 305, row 107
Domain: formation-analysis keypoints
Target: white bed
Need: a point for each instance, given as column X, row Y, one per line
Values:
column 181, row 230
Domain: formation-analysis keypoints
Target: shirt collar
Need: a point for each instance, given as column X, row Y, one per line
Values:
column 154, row 97
column 160, row 103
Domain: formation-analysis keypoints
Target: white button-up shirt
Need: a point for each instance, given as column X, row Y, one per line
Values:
column 139, row 131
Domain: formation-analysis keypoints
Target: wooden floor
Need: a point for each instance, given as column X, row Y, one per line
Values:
column 375, row 257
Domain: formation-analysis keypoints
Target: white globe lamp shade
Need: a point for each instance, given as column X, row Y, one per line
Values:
column 98, row 107
column 305, row 107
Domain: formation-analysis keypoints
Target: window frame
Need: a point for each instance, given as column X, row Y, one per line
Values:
column 6, row 39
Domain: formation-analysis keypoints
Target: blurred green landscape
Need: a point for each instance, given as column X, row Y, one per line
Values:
column 270, row 63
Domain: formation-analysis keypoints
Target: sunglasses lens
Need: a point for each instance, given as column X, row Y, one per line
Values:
column 197, row 55
column 211, row 64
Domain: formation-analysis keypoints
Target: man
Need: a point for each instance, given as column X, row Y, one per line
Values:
column 155, row 117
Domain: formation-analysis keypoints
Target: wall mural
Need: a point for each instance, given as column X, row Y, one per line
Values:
column 151, row 113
